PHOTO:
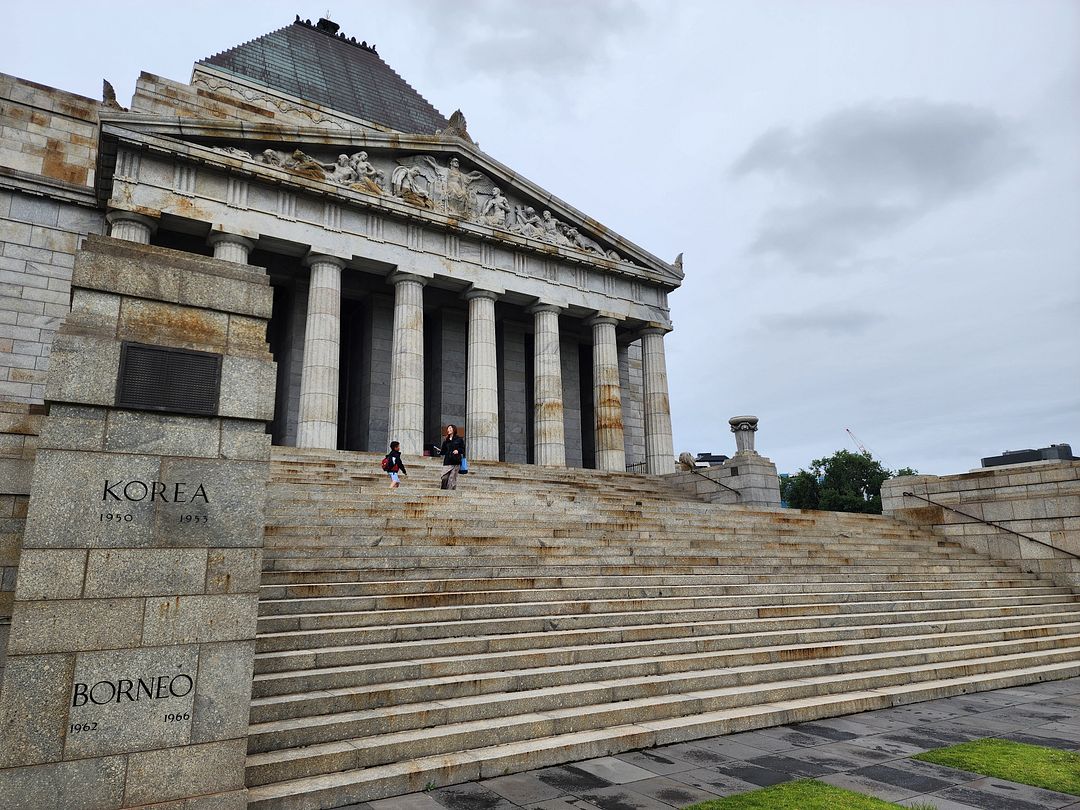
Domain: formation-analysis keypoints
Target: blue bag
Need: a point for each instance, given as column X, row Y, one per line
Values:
column 464, row 470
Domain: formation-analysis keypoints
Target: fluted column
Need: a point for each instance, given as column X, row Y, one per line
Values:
column 482, row 379
column 406, row 418
column 317, row 422
column 130, row 226
column 659, row 449
column 230, row 247
column 607, row 396
column 549, row 438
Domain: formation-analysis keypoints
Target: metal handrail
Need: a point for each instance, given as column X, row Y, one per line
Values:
column 991, row 523
column 637, row 466
column 696, row 471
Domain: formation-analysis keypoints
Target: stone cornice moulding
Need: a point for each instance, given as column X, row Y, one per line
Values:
column 168, row 137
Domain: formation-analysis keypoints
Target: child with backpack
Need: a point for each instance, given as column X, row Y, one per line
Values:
column 392, row 464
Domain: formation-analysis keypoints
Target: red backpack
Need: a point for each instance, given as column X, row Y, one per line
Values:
column 388, row 465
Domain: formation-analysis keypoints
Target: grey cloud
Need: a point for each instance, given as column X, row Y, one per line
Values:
column 554, row 37
column 868, row 171
column 830, row 321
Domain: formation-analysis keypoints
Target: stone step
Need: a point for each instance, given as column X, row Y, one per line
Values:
column 356, row 783
column 538, row 589
column 599, row 662
column 346, row 600
column 534, row 580
column 392, row 610
column 628, row 625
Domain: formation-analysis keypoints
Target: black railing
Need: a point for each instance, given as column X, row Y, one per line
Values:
column 639, row 466
column 991, row 523
column 696, row 471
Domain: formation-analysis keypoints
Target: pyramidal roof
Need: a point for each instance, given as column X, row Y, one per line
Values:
column 316, row 63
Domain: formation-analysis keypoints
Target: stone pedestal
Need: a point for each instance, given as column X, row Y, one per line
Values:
column 607, row 396
column 317, row 422
column 659, row 449
column 406, row 418
column 128, row 679
column 548, row 427
column 482, row 379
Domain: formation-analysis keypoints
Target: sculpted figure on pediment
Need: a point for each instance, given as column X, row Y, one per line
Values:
column 410, row 184
column 552, row 230
column 451, row 187
column 233, row 151
column 497, row 210
column 368, row 178
column 583, row 242
column 526, row 222
column 298, row 161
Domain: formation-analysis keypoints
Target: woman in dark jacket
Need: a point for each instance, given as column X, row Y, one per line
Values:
column 453, row 451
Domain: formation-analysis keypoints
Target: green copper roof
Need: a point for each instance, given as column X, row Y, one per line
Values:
column 317, row 64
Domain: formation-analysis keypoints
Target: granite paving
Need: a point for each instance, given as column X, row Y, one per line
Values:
column 868, row 752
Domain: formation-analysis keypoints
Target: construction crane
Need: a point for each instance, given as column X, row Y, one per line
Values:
column 862, row 447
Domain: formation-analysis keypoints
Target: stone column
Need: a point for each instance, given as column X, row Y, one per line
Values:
column 317, row 420
column 130, row 226
column 548, row 429
column 659, row 449
column 406, row 418
column 230, row 247
column 607, row 396
column 482, row 379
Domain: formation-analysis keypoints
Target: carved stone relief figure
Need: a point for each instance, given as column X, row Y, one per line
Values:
column 407, row 183
column 368, row 178
column 497, row 209
column 553, row 230
column 341, row 172
column 526, row 222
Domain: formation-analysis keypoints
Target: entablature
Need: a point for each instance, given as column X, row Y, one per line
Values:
column 413, row 177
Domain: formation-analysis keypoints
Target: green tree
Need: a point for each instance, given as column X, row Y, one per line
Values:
column 842, row 482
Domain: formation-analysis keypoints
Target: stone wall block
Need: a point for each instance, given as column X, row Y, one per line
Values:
column 161, row 434
column 95, row 485
column 84, row 369
column 51, row 573
column 247, row 337
column 199, row 619
column 34, row 718
column 72, row 427
column 94, row 311
column 244, row 441
column 233, row 570
column 128, row 694
column 248, row 388
column 224, row 669
column 183, row 772
column 163, row 324
column 74, row 625
column 226, row 294
column 229, row 487
column 117, row 572
column 87, row 784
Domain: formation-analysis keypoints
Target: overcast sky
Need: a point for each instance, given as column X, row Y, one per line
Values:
column 878, row 200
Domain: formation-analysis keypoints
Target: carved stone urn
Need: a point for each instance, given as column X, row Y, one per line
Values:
column 744, row 428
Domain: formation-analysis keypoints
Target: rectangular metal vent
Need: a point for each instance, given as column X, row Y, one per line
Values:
column 157, row 378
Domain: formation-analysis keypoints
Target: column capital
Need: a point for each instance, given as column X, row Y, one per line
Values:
column 398, row 277
column 544, row 306
column 477, row 292
column 654, row 329
column 603, row 318
column 217, row 237
column 323, row 258
column 117, row 215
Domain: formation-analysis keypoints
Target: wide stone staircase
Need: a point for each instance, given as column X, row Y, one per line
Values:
column 416, row 638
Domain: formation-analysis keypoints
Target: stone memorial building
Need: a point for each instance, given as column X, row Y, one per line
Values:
column 416, row 280
column 216, row 309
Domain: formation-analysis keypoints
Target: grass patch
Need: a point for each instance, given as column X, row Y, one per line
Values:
column 1048, row 768
column 805, row 794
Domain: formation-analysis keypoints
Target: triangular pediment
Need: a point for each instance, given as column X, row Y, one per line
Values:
column 443, row 178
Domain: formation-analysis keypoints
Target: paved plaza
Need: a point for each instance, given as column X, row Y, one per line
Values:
column 868, row 752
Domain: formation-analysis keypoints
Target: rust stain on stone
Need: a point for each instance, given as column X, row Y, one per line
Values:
column 192, row 325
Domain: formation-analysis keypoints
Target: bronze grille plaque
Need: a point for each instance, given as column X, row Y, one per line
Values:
column 159, row 378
